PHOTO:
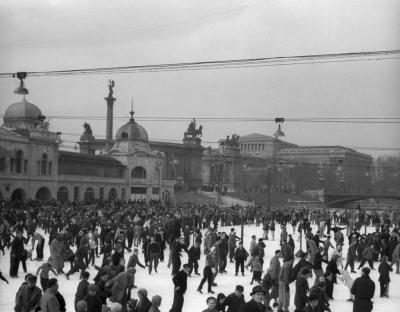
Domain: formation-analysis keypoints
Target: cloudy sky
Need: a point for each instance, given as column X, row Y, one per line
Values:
column 47, row 35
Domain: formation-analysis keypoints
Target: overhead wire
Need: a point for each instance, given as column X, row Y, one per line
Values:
column 222, row 64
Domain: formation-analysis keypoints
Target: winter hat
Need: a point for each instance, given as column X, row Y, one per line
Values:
column 257, row 289
column 366, row 271
column 156, row 300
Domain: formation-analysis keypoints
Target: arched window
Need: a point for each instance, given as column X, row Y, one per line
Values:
column 124, row 135
column 19, row 160
column 138, row 173
column 43, row 164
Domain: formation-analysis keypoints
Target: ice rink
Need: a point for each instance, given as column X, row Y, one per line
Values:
column 161, row 283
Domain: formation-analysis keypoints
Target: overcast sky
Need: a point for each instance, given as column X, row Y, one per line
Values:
column 45, row 35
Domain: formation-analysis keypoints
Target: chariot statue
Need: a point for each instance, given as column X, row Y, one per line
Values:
column 192, row 132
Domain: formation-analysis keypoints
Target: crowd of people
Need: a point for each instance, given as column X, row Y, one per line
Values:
column 78, row 233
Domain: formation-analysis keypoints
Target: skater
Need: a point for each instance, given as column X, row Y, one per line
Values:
column 384, row 269
column 44, row 270
column 240, row 257
column 153, row 251
column 208, row 271
column 40, row 245
column 300, row 298
column 180, row 286
column 256, row 266
column 363, row 290
column 82, row 289
column 16, row 254
column 194, row 256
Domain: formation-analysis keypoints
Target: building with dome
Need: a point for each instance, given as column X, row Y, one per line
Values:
column 130, row 166
column 28, row 152
column 33, row 167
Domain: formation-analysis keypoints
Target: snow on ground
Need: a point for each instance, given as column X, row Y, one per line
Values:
column 161, row 283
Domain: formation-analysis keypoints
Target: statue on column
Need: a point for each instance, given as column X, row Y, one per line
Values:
column 111, row 85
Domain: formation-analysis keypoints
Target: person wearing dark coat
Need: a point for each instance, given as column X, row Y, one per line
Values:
column 384, row 279
column 255, row 304
column 331, row 270
column 302, row 263
column 194, row 256
column 363, row 290
column 16, row 253
column 240, row 256
column 235, row 300
column 93, row 301
column 28, row 296
column 176, row 255
column 318, row 290
column 351, row 256
column 61, row 301
column 180, row 286
column 82, row 289
column 143, row 304
column 300, row 298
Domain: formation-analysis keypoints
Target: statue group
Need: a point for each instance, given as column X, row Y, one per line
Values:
column 192, row 132
column 232, row 142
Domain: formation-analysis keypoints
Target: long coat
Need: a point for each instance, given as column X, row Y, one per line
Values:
column 363, row 290
column 25, row 303
column 300, row 298
column 57, row 254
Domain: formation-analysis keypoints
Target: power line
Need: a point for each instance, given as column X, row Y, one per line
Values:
column 222, row 64
column 351, row 120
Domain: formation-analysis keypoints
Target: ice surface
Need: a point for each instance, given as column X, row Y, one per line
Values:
column 161, row 283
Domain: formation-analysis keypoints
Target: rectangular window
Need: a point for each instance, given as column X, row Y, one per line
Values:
column 101, row 195
column 123, row 193
column 156, row 191
column 38, row 168
column 25, row 165
column 12, row 165
column 50, row 167
column 263, row 147
column 2, row 164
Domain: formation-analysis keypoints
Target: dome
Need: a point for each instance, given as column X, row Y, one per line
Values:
column 133, row 132
column 22, row 111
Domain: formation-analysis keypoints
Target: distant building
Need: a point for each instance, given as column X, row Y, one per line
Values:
column 257, row 144
column 129, row 166
column 260, row 163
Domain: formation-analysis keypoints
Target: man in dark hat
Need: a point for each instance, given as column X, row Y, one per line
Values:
column 255, row 304
column 363, row 290
column 235, row 300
